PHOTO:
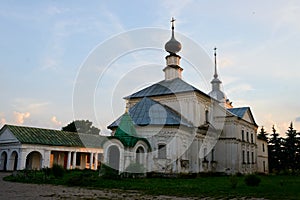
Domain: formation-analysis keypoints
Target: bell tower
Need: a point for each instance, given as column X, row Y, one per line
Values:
column 173, row 69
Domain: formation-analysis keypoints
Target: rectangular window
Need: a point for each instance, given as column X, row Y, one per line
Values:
column 263, row 147
column 247, row 136
column 243, row 156
column 162, row 151
column 252, row 138
column 264, row 166
column 248, row 159
column 206, row 116
column 252, row 157
column 243, row 138
column 212, row 155
column 205, row 154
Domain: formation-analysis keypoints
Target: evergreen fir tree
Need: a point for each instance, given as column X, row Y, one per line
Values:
column 290, row 149
column 263, row 134
column 275, row 151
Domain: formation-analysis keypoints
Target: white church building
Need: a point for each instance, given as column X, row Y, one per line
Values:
column 168, row 127
column 173, row 127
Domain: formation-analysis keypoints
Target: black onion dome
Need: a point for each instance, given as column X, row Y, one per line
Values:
column 173, row 46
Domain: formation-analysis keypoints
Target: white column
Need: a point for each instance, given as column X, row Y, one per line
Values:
column 46, row 158
column 74, row 160
column 91, row 160
column 69, row 160
column 19, row 160
column 96, row 161
column 22, row 155
column 8, row 162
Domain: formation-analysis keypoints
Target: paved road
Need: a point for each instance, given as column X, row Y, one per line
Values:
column 21, row 191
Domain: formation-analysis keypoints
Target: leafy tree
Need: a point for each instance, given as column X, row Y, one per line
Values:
column 291, row 143
column 263, row 134
column 81, row 126
column 275, row 151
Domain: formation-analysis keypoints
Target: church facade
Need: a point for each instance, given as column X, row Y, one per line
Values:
column 173, row 127
column 169, row 127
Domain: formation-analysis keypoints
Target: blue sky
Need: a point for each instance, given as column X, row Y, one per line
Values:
column 44, row 45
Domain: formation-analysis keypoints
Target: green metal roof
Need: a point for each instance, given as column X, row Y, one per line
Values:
column 32, row 135
column 126, row 132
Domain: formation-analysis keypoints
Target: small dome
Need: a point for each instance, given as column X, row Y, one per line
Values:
column 173, row 46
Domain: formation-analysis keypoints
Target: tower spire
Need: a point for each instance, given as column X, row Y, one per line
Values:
column 216, row 83
column 215, row 54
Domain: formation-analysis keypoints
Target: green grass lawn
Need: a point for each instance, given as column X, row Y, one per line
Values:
column 271, row 187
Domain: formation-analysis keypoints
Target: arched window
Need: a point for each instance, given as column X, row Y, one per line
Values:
column 114, row 157
column 140, row 155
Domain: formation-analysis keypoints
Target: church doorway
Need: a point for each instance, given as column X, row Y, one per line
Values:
column 140, row 155
column 13, row 161
column 114, row 157
column 3, row 161
column 34, row 160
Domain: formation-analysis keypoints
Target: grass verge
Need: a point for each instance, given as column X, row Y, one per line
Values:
column 270, row 187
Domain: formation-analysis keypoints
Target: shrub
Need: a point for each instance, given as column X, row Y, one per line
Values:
column 58, row 171
column 85, row 177
column 108, row 172
column 239, row 174
column 134, row 170
column 233, row 181
column 252, row 180
column 74, row 181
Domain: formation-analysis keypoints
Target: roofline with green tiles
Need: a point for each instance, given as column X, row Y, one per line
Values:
column 52, row 137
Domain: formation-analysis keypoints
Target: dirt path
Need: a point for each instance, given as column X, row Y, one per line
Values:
column 21, row 191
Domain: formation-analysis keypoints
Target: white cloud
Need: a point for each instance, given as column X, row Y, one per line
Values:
column 239, row 88
column 50, row 63
column 20, row 117
column 2, row 119
column 29, row 104
column 55, row 121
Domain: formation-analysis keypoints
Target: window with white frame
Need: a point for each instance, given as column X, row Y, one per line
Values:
column 162, row 151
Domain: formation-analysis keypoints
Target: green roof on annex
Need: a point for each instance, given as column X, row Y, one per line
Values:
column 51, row 137
column 126, row 132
